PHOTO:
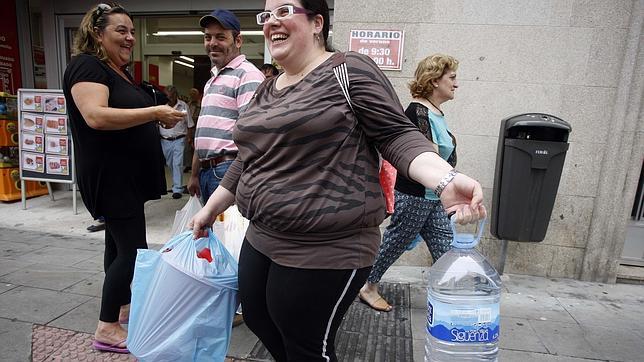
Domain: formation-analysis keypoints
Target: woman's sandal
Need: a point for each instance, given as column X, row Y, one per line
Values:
column 105, row 347
column 379, row 304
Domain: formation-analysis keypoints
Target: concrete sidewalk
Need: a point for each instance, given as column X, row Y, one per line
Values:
column 50, row 274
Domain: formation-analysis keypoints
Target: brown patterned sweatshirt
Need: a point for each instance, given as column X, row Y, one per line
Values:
column 306, row 175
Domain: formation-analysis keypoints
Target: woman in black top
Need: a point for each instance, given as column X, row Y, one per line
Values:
column 117, row 152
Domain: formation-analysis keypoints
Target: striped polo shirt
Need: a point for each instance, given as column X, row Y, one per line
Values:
column 225, row 96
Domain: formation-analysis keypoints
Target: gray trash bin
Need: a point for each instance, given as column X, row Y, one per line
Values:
column 530, row 156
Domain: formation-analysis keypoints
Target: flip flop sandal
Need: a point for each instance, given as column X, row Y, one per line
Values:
column 381, row 308
column 104, row 347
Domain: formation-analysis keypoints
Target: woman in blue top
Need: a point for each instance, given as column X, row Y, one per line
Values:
column 417, row 210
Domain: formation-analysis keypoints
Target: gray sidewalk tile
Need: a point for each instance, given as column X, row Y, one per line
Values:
column 516, row 356
column 93, row 263
column 418, row 332
column 534, row 307
column 82, row 318
column 418, row 298
column 6, row 287
column 564, row 339
column 617, row 344
column 13, row 249
column 518, row 334
column 9, row 265
column 37, row 305
column 52, row 277
column 91, row 286
column 16, row 340
column 58, row 256
column 242, row 341
column 592, row 313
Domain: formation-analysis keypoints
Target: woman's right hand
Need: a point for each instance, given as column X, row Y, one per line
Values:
column 168, row 116
column 201, row 222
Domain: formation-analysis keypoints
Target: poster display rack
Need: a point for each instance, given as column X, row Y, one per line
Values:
column 46, row 147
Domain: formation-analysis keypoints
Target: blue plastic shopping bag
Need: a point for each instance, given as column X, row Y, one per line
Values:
column 182, row 304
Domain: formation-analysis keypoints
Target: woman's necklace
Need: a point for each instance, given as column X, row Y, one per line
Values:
column 120, row 72
column 438, row 109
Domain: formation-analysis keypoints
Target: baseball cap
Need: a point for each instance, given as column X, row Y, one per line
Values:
column 227, row 19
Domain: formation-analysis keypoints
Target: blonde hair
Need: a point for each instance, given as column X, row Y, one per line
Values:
column 94, row 22
column 431, row 68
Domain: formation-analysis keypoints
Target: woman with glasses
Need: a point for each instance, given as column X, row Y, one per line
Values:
column 306, row 177
column 117, row 151
column 417, row 209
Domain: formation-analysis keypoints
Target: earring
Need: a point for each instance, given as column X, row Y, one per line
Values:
column 317, row 37
column 435, row 85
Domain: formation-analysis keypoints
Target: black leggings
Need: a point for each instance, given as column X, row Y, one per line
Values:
column 122, row 237
column 295, row 312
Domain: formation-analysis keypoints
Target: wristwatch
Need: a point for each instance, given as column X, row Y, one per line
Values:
column 444, row 182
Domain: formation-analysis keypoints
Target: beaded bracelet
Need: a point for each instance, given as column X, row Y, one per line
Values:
column 444, row 182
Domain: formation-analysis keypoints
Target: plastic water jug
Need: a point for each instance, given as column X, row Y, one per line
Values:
column 463, row 304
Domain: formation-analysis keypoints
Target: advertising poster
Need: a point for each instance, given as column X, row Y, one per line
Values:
column 56, row 145
column 384, row 47
column 32, row 142
column 34, row 162
column 45, row 138
column 32, row 122
column 55, row 124
column 57, row 165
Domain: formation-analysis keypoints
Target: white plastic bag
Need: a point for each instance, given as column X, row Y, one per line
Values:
column 183, row 216
column 182, row 305
column 232, row 230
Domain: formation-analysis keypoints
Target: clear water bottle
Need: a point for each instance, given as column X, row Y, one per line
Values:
column 463, row 304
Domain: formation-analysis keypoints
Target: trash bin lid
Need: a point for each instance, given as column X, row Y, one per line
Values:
column 536, row 120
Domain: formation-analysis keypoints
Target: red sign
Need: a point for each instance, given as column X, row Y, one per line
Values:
column 10, row 79
column 385, row 47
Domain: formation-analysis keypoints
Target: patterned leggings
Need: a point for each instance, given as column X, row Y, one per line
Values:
column 412, row 215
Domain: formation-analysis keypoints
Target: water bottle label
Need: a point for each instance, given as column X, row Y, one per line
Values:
column 463, row 324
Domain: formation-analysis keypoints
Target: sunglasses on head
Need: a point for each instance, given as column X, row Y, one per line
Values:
column 280, row 13
column 100, row 10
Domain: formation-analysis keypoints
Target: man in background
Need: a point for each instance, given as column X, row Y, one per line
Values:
column 233, row 83
column 173, row 140
column 194, row 105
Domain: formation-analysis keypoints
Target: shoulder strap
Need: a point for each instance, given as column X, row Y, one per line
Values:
column 342, row 75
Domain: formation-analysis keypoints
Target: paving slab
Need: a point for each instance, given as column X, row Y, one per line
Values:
column 9, row 265
column 92, row 286
column 522, row 356
column 54, row 255
column 51, row 277
column 16, row 340
column 37, row 305
column 592, row 313
column 93, row 263
column 616, row 344
column 7, row 286
column 83, row 318
column 518, row 334
column 564, row 339
column 537, row 307
column 15, row 249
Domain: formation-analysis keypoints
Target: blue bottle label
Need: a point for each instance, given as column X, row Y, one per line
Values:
column 463, row 323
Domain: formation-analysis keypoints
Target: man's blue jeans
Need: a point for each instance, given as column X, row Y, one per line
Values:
column 210, row 178
column 173, row 153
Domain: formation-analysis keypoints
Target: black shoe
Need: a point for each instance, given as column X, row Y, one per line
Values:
column 97, row 227
column 176, row 195
column 187, row 169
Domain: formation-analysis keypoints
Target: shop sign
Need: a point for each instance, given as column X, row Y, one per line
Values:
column 385, row 47
column 10, row 78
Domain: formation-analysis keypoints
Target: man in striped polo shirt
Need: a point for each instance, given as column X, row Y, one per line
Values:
column 225, row 96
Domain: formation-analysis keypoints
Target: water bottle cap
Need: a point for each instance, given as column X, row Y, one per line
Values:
column 466, row 240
